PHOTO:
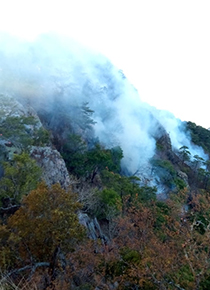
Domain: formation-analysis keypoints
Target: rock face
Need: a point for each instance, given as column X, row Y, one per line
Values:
column 165, row 143
column 13, row 134
column 10, row 107
column 18, row 126
column 52, row 164
column 183, row 176
column 94, row 230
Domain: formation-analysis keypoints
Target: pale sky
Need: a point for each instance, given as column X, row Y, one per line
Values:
column 163, row 47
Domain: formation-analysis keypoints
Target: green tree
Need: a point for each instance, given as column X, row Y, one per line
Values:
column 166, row 172
column 83, row 162
column 74, row 152
column 128, row 188
column 22, row 131
column 184, row 153
column 109, row 201
column 207, row 164
column 200, row 136
column 100, row 158
column 86, row 116
column 21, row 175
column 197, row 162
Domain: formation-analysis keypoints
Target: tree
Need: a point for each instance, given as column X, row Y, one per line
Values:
column 197, row 162
column 45, row 224
column 100, row 158
column 21, row 175
column 109, row 204
column 165, row 171
column 83, row 162
column 86, row 118
column 24, row 131
column 73, row 152
column 184, row 153
column 199, row 135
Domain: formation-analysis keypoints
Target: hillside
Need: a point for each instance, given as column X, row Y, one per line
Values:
column 98, row 189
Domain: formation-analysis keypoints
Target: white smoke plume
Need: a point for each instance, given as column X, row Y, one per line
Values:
column 54, row 72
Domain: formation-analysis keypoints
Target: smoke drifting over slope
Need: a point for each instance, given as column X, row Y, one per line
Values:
column 54, row 73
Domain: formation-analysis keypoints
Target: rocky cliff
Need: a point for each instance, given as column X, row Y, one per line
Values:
column 21, row 130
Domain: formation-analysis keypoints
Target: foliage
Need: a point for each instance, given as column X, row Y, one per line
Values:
column 197, row 162
column 200, row 136
column 20, row 130
column 46, row 220
column 149, row 244
column 21, row 175
column 128, row 188
column 184, row 154
column 86, row 114
column 108, row 201
column 157, row 246
column 41, row 137
column 100, row 158
column 73, row 153
column 203, row 176
column 159, row 146
column 83, row 162
column 11, row 126
column 165, row 171
column 180, row 184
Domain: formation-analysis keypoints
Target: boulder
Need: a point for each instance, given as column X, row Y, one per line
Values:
column 52, row 164
column 183, row 176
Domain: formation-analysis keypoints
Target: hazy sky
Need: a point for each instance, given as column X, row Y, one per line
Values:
column 163, row 47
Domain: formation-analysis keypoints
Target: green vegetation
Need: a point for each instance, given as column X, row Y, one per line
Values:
column 184, row 154
column 21, row 175
column 86, row 116
column 167, row 174
column 109, row 204
column 83, row 162
column 200, row 136
column 41, row 137
column 23, row 131
column 128, row 187
column 141, row 242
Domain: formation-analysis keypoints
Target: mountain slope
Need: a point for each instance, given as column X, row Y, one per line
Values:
column 62, row 80
column 142, row 184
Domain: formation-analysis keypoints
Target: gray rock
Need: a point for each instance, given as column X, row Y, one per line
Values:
column 10, row 107
column 183, row 176
column 93, row 228
column 52, row 164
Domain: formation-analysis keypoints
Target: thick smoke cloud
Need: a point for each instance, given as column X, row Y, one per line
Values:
column 55, row 73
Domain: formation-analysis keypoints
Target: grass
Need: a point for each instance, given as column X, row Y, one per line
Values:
column 6, row 283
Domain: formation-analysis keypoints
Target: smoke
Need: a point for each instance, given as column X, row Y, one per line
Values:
column 177, row 132
column 55, row 74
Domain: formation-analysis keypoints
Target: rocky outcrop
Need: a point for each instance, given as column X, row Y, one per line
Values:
column 183, row 176
column 52, row 164
column 165, row 142
column 18, row 126
column 94, row 230
column 15, row 128
column 167, row 152
column 10, row 107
